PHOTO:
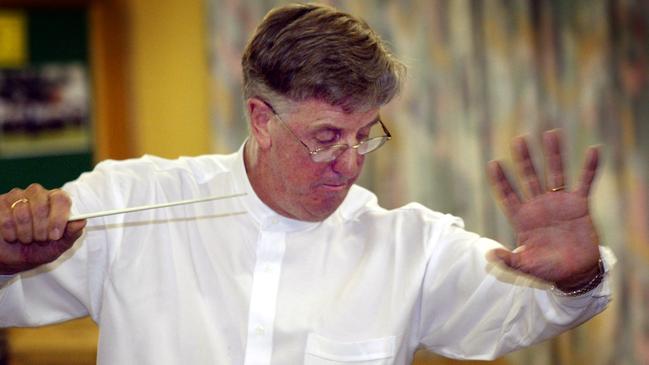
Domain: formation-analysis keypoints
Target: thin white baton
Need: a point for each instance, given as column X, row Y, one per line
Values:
column 79, row 217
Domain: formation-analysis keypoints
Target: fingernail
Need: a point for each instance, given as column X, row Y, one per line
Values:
column 519, row 249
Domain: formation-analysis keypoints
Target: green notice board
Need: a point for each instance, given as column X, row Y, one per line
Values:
column 45, row 128
column 49, row 171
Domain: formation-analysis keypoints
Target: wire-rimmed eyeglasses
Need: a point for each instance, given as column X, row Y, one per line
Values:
column 330, row 153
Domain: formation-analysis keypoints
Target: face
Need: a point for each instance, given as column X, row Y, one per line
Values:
column 288, row 180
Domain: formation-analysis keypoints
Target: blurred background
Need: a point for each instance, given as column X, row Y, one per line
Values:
column 86, row 80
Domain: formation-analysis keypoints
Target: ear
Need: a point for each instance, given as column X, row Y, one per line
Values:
column 260, row 117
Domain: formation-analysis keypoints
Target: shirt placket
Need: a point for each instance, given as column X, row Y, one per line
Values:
column 263, row 297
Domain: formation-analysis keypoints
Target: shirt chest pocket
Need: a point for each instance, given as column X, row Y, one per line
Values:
column 324, row 351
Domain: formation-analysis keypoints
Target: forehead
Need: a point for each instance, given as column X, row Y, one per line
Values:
column 313, row 114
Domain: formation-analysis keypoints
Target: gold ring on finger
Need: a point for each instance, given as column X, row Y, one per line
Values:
column 558, row 188
column 21, row 200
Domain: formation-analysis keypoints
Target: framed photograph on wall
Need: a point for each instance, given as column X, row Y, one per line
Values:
column 44, row 110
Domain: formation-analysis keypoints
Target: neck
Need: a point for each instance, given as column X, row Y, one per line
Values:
column 256, row 170
column 253, row 166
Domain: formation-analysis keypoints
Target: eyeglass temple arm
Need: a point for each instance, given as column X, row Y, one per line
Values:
column 385, row 129
column 289, row 129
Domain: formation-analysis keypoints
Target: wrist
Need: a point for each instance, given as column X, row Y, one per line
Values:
column 583, row 284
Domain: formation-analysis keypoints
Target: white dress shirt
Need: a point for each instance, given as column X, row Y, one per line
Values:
column 233, row 282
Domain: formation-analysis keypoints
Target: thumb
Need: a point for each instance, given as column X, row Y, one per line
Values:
column 501, row 255
column 512, row 259
column 74, row 227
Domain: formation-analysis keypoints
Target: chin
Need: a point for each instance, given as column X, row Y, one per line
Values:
column 318, row 204
column 325, row 207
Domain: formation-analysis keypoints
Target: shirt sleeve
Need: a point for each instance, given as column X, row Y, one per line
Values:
column 473, row 309
column 49, row 294
column 67, row 288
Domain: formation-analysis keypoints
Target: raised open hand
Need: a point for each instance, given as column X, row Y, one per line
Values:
column 34, row 228
column 555, row 235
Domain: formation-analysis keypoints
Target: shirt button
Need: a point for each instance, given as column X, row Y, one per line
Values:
column 274, row 220
column 260, row 330
column 268, row 269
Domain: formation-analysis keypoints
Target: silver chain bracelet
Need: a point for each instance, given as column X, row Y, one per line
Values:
column 592, row 284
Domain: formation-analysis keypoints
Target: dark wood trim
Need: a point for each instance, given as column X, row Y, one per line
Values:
column 109, row 59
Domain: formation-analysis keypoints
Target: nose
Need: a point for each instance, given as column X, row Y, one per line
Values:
column 348, row 163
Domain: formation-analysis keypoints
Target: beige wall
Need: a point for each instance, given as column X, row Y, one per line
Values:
column 150, row 77
column 167, row 75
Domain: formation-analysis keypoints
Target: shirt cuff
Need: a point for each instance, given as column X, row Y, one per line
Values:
column 4, row 279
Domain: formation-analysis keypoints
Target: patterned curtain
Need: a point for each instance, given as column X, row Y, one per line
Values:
column 480, row 73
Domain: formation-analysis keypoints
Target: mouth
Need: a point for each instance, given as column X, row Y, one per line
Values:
column 335, row 187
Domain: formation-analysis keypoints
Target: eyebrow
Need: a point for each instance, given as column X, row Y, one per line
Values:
column 326, row 124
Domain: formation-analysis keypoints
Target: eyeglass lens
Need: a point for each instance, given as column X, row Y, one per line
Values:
column 332, row 152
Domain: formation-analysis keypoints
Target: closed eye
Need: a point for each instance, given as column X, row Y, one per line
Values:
column 327, row 135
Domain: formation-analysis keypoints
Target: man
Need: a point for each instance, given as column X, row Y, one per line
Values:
column 306, row 267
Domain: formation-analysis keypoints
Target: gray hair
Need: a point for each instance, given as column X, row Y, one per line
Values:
column 304, row 51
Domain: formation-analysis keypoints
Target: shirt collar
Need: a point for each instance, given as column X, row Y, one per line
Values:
column 356, row 202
